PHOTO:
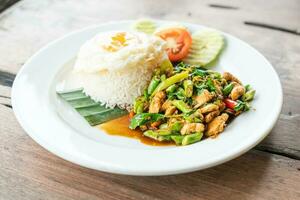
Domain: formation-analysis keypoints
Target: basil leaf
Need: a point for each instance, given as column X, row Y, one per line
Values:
column 143, row 118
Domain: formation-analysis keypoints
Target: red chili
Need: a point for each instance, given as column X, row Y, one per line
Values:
column 230, row 103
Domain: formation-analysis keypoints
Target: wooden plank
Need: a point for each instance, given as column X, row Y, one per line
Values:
column 6, row 78
column 23, row 32
column 30, row 172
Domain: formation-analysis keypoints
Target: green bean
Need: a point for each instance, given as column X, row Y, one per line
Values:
column 171, row 89
column 176, row 127
column 227, row 89
column 192, row 138
column 143, row 118
column 155, row 135
column 180, row 93
column 248, row 96
column 162, row 138
column 188, row 88
column 138, row 105
column 247, row 87
column 193, row 118
column 181, row 106
column 151, row 134
column 163, row 126
column 170, row 81
column 146, row 95
column 214, row 74
column 177, row 139
column 163, row 77
column 166, row 67
column 153, row 84
column 163, row 132
column 241, row 106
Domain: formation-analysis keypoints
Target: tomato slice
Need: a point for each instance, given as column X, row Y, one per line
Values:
column 178, row 41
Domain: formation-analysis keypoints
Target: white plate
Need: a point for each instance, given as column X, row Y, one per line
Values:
column 63, row 132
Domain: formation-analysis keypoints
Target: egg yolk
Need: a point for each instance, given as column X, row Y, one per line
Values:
column 117, row 42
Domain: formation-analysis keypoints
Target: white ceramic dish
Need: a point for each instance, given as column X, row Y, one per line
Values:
column 59, row 129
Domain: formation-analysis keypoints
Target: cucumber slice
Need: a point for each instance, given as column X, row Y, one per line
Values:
column 145, row 26
column 205, row 48
column 94, row 113
column 170, row 26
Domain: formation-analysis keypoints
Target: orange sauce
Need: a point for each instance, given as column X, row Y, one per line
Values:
column 119, row 127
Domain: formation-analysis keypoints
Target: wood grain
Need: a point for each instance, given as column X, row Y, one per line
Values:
column 27, row 171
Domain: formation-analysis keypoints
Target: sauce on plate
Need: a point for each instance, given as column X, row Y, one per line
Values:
column 119, row 127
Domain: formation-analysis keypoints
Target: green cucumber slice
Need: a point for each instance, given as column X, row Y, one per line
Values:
column 144, row 25
column 93, row 112
column 205, row 48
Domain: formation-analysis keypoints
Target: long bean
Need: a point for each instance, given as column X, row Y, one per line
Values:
column 177, row 139
column 181, row 106
column 156, row 136
column 138, row 105
column 248, row 96
column 170, row 81
column 153, row 84
column 166, row 67
column 188, row 88
column 192, row 138
column 227, row 89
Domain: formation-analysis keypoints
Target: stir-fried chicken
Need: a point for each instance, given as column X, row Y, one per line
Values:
column 208, row 108
column 217, row 125
column 203, row 98
column 156, row 102
column 237, row 91
column 210, row 116
column 229, row 77
column 192, row 128
column 189, row 103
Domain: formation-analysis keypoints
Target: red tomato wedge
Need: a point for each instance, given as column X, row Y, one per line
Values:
column 178, row 41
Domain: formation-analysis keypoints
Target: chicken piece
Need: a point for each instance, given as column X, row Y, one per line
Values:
column 229, row 77
column 170, row 110
column 189, row 128
column 217, row 125
column 209, row 108
column 203, row 98
column 210, row 116
column 157, row 102
column 166, row 105
column 221, row 105
column 236, row 92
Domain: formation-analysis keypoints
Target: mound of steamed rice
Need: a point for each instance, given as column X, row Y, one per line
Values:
column 115, row 67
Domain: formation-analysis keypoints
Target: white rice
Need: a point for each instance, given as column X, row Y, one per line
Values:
column 117, row 78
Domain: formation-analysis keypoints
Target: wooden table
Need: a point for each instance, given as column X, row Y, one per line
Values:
column 269, row 171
